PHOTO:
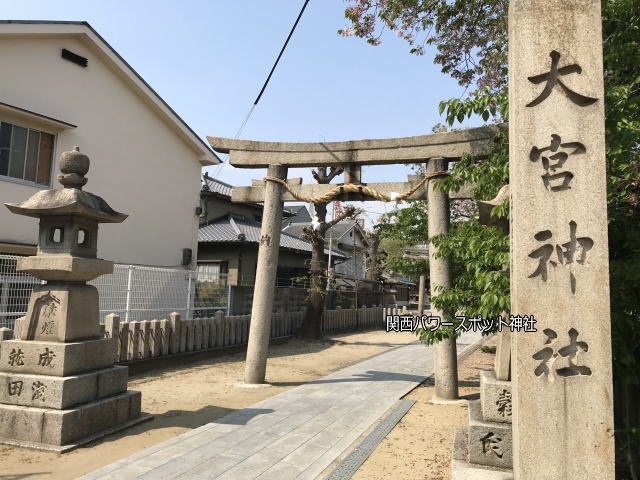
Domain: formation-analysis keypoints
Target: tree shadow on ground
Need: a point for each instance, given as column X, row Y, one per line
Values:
column 22, row 476
column 471, row 396
column 281, row 347
column 467, row 383
column 206, row 358
column 300, row 347
column 430, row 382
column 189, row 420
column 370, row 376
column 372, row 344
column 296, row 346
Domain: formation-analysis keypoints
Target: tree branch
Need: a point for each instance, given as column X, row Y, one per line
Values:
column 333, row 173
column 349, row 212
column 320, row 175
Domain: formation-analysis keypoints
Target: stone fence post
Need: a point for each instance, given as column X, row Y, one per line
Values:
column 175, row 323
column 112, row 331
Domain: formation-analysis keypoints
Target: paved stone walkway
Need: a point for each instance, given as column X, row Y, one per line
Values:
column 293, row 435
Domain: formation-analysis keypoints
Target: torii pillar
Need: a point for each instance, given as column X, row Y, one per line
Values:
column 446, row 359
column 265, row 287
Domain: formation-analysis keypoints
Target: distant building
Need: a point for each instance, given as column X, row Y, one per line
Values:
column 398, row 290
column 215, row 200
column 229, row 237
column 297, row 214
column 347, row 237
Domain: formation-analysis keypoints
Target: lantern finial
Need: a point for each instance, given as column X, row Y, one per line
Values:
column 74, row 166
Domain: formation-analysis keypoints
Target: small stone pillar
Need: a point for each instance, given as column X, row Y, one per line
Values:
column 59, row 387
column 485, row 448
column 446, row 359
column 421, row 287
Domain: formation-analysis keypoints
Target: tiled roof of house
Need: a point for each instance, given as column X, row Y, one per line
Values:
column 213, row 185
column 299, row 214
column 335, row 232
column 340, row 228
column 234, row 228
column 295, row 230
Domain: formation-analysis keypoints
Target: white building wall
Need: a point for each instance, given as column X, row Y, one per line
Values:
column 139, row 164
column 355, row 265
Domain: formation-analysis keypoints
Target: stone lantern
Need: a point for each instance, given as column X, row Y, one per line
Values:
column 59, row 366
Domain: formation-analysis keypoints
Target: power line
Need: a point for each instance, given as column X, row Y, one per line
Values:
column 266, row 82
column 281, row 52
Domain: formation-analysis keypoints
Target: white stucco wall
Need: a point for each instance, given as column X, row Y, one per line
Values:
column 139, row 164
column 355, row 265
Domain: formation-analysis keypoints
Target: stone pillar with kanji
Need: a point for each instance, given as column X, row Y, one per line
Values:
column 59, row 387
column 561, row 374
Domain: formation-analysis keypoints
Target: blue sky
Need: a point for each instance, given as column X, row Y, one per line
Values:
column 208, row 59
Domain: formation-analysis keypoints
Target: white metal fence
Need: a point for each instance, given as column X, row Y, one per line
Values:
column 133, row 292
column 295, row 282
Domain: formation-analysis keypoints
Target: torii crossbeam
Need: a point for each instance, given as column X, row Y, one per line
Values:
column 385, row 151
column 351, row 155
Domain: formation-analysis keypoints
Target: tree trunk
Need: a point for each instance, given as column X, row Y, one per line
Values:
column 373, row 272
column 311, row 328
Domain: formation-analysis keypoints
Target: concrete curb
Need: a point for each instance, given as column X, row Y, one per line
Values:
column 359, row 455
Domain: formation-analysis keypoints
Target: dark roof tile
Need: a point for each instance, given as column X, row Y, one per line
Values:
column 234, row 228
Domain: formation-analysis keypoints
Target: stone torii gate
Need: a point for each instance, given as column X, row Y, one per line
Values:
column 436, row 150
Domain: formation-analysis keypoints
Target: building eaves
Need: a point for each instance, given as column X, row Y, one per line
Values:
column 60, row 124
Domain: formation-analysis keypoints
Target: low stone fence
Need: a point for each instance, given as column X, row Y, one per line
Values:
column 139, row 340
column 155, row 338
column 352, row 319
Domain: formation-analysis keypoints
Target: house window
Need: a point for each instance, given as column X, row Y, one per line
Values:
column 210, row 272
column 25, row 153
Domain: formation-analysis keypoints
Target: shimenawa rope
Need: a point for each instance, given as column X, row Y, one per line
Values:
column 355, row 188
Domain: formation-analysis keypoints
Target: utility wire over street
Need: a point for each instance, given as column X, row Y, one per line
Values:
column 266, row 82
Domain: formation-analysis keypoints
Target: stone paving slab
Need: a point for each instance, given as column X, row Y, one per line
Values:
column 293, row 435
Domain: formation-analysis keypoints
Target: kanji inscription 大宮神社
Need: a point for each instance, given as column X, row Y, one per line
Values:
column 558, row 153
column 573, row 251
column 549, row 355
column 552, row 77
